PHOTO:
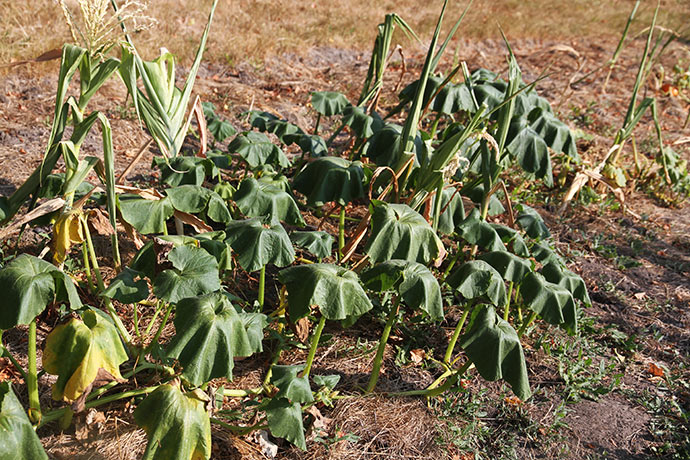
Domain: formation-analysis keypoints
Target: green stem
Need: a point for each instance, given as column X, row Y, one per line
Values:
column 506, row 312
column 262, row 285
column 456, row 334
column 314, row 345
column 136, row 321
column 160, row 329
column 318, row 122
column 452, row 263
column 530, row 319
column 240, row 430
column 101, row 286
column 87, row 268
column 376, row 369
column 159, row 305
column 32, row 377
column 341, row 233
column 56, row 414
column 434, row 125
column 437, row 206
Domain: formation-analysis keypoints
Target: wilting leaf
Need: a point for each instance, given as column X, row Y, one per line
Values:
column 66, row 232
column 128, row 286
column 383, row 147
column 552, row 302
column 258, row 243
column 184, row 170
column 290, row 386
column 259, row 199
column 18, row 440
column 194, row 199
column 510, row 266
column 285, row 421
column 334, row 290
column 77, row 350
column 328, row 103
column 545, row 254
column 195, row 272
column 399, row 232
column 331, row 179
column 316, row 242
column 474, row 230
column 530, row 150
column 176, row 424
column 359, row 121
column 28, row 285
column 453, row 210
column 147, row 216
column 257, row 149
column 209, row 334
column 494, row 347
column 555, row 273
column 413, row 281
column 530, row 220
column 512, row 239
column 475, row 279
column 555, row 133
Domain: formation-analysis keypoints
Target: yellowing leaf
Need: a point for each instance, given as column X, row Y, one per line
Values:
column 77, row 350
column 66, row 232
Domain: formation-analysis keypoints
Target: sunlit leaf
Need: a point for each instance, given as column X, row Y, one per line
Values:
column 331, row 179
column 476, row 279
column 18, row 440
column 259, row 242
column 194, row 272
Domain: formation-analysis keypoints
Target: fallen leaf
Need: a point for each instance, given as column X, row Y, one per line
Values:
column 269, row 449
column 417, row 355
column 640, row 295
column 513, row 401
column 655, row 370
column 302, row 329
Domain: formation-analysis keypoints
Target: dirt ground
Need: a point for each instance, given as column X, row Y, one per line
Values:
column 608, row 401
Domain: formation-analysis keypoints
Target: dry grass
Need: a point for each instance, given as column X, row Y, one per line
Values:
column 251, row 30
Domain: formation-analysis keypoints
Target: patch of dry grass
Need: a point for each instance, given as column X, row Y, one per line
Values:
column 251, row 30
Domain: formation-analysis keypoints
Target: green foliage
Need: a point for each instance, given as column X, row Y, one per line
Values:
column 494, row 347
column 285, row 421
column 477, row 231
column 194, row 272
column 414, row 282
column 399, row 232
column 477, row 279
column 334, row 290
column 18, row 440
column 176, row 424
column 511, row 267
column 259, row 242
column 29, row 285
column 328, row 103
column 552, row 302
column 331, row 179
column 184, row 170
column 318, row 243
column 256, row 150
column 290, row 386
column 259, row 199
column 209, row 333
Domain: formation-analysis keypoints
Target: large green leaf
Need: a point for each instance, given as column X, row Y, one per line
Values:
column 552, row 302
column 312, row 144
column 414, row 282
column 257, row 149
column 475, row 279
column 363, row 124
column 474, row 230
column 555, row 133
column 545, row 254
column 555, row 273
column 259, row 242
column 328, row 103
column 453, row 210
column 176, row 424
column 334, row 290
column 194, row 272
column 512, row 239
column 290, row 386
column 383, row 147
column 129, row 286
column 18, row 440
column 285, row 421
column 259, row 199
column 494, row 347
column 209, row 334
column 399, row 232
column 331, row 179
column 530, row 150
column 29, row 285
column 530, row 220
column 316, row 242
column 194, row 199
column 147, row 216
column 510, row 266
column 184, row 170
column 78, row 350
